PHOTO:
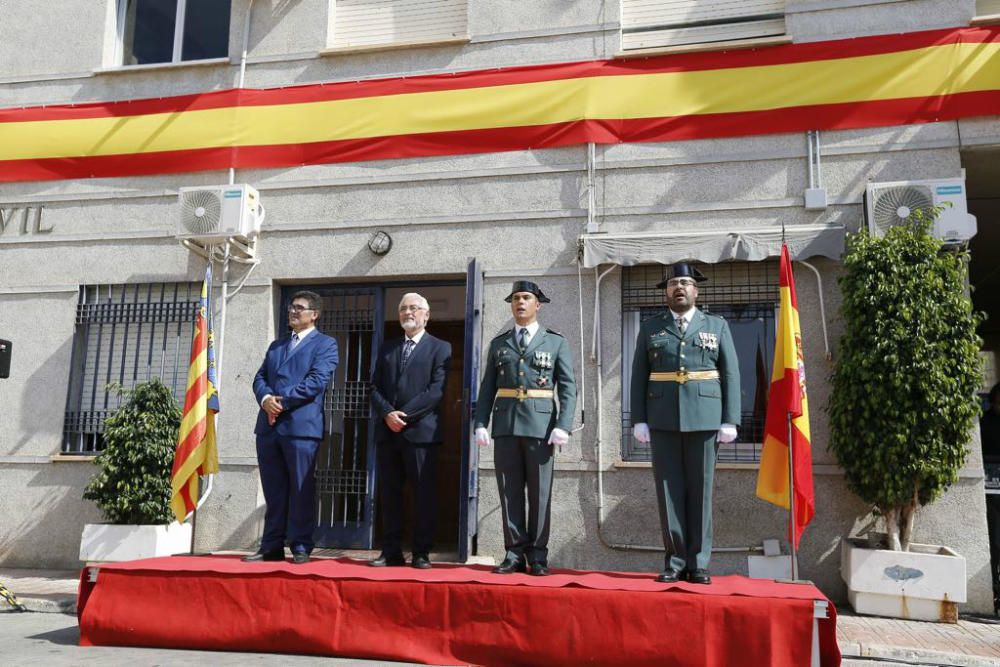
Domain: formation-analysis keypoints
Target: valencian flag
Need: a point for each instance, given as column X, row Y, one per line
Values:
column 788, row 397
column 196, row 448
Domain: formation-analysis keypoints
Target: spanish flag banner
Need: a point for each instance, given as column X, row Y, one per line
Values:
column 788, row 399
column 885, row 80
column 196, row 453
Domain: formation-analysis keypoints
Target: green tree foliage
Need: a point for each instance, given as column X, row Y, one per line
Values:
column 133, row 483
column 904, row 386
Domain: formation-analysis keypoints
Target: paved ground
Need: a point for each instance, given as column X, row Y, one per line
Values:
column 51, row 638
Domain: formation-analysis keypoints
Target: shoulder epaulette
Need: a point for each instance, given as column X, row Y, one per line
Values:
column 553, row 331
column 503, row 333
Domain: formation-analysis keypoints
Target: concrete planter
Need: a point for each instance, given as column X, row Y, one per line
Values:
column 926, row 583
column 109, row 542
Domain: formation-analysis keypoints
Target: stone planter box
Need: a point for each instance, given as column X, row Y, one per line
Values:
column 109, row 542
column 926, row 583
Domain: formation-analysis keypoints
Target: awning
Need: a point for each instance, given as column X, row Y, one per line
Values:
column 712, row 245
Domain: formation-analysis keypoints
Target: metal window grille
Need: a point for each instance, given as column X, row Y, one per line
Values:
column 125, row 334
column 747, row 295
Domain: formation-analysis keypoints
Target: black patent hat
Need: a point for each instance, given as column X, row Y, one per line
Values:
column 681, row 270
column 527, row 286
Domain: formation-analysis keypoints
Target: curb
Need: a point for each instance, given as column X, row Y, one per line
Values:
column 63, row 605
column 913, row 656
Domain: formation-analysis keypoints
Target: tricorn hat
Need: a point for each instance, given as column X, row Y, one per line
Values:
column 681, row 270
column 527, row 286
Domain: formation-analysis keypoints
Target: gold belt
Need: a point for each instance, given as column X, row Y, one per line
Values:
column 521, row 393
column 680, row 377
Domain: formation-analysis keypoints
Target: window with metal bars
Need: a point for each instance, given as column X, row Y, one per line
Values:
column 125, row 334
column 747, row 295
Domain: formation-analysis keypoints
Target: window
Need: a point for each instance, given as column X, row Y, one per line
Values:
column 125, row 334
column 170, row 31
column 987, row 7
column 747, row 295
column 370, row 23
column 657, row 23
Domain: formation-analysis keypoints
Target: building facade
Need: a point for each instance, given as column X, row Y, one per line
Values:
column 95, row 288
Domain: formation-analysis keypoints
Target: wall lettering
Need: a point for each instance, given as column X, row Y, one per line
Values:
column 25, row 220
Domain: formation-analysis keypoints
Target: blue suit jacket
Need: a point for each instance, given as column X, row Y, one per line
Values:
column 417, row 391
column 300, row 378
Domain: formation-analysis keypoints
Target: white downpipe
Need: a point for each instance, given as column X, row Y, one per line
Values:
column 822, row 309
column 243, row 66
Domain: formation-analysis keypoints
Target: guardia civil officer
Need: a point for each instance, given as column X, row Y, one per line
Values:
column 526, row 368
column 685, row 399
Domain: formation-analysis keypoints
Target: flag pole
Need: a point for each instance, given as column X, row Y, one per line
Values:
column 791, row 500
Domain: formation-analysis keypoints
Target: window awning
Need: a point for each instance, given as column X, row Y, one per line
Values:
column 712, row 245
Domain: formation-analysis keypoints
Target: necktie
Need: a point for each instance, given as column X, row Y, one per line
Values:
column 407, row 351
column 523, row 342
column 294, row 342
column 682, row 325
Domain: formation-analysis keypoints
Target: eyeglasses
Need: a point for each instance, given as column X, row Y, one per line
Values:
column 296, row 308
column 680, row 282
column 410, row 309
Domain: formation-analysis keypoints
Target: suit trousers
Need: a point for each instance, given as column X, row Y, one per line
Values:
column 684, row 468
column 287, row 475
column 520, row 463
column 399, row 460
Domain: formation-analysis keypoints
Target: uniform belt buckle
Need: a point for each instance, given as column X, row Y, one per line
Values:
column 522, row 395
column 682, row 377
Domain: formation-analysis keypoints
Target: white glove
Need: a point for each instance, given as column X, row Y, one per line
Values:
column 641, row 433
column 727, row 433
column 559, row 437
column 482, row 437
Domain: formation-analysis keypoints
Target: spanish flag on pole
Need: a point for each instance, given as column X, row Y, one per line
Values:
column 788, row 398
column 196, row 450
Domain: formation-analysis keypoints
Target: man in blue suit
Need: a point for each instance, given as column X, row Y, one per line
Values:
column 289, row 388
column 407, row 387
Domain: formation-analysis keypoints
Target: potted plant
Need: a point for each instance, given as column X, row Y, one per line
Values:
column 903, row 405
column 132, row 487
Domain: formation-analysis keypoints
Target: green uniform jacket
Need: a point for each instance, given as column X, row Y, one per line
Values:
column 697, row 405
column 546, row 364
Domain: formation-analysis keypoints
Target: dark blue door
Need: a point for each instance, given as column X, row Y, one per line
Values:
column 468, row 514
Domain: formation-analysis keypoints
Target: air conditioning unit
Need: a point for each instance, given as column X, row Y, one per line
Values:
column 214, row 213
column 891, row 204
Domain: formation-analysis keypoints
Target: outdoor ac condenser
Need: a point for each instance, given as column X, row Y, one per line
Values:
column 214, row 213
column 895, row 203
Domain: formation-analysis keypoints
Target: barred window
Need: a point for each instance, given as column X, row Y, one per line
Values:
column 125, row 334
column 747, row 295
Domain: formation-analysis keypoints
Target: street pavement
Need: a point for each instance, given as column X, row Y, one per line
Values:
column 48, row 635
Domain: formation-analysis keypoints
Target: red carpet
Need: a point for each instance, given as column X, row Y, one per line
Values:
column 450, row 615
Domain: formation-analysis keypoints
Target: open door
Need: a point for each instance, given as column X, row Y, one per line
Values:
column 468, row 517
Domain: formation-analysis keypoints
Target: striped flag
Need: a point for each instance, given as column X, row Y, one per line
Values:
column 788, row 397
column 196, row 447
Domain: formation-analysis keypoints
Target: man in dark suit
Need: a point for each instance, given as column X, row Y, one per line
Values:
column 407, row 387
column 527, row 367
column 685, row 398
column 289, row 388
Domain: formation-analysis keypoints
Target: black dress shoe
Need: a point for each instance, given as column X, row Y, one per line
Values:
column 277, row 554
column 510, row 565
column 700, row 576
column 383, row 560
column 669, row 576
column 540, row 568
column 300, row 557
column 421, row 562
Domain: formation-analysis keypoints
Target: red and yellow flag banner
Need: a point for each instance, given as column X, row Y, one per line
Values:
column 869, row 81
column 788, row 398
column 196, row 453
